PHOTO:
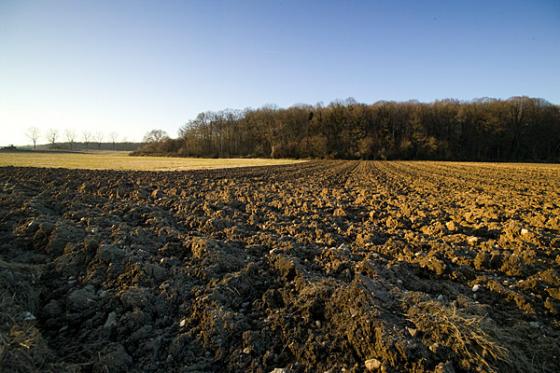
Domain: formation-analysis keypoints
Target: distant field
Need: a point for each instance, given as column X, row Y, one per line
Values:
column 122, row 161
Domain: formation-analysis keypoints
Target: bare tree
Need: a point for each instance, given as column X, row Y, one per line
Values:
column 70, row 137
column 52, row 135
column 33, row 134
column 155, row 136
column 98, row 137
column 114, row 138
column 86, row 135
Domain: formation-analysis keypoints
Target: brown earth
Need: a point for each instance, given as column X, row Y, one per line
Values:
column 314, row 267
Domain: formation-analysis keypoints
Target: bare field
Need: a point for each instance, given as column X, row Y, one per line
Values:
column 122, row 161
column 322, row 266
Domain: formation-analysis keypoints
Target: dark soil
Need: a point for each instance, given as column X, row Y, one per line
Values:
column 315, row 267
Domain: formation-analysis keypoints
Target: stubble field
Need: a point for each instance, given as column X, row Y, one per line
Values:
column 315, row 267
column 109, row 160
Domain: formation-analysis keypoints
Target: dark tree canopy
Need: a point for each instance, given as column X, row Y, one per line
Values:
column 516, row 129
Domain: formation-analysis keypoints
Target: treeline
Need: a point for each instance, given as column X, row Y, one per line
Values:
column 516, row 129
column 82, row 146
column 71, row 140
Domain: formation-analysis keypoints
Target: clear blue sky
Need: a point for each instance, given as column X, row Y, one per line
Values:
column 130, row 66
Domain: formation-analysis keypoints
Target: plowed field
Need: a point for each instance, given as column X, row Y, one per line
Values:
column 323, row 266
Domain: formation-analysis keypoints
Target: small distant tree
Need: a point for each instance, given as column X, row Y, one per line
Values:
column 86, row 135
column 155, row 141
column 98, row 139
column 114, row 138
column 70, row 137
column 52, row 135
column 155, row 136
column 33, row 134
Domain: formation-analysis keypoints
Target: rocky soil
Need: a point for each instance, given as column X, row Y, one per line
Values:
column 324, row 266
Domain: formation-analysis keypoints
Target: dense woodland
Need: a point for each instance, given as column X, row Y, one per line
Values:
column 516, row 129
